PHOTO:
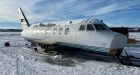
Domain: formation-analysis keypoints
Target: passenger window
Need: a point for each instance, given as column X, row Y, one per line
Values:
column 90, row 27
column 55, row 31
column 82, row 27
column 60, row 30
column 67, row 30
column 47, row 35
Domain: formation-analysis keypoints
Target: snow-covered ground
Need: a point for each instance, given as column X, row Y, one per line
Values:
column 18, row 59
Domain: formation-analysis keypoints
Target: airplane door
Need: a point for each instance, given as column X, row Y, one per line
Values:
column 85, row 34
column 68, row 34
column 81, row 35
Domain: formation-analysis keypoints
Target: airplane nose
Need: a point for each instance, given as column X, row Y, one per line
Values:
column 117, row 44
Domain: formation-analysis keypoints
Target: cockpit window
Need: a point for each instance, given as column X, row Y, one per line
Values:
column 100, row 27
column 106, row 26
column 90, row 27
column 82, row 27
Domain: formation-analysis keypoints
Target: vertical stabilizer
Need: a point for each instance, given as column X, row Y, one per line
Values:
column 24, row 22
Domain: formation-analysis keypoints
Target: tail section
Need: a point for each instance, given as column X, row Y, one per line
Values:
column 24, row 22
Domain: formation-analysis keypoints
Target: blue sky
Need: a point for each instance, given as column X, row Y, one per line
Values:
column 114, row 12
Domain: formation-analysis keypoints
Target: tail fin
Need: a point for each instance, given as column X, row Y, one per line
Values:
column 24, row 22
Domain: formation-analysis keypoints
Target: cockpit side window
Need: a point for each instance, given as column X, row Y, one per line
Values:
column 82, row 28
column 107, row 28
column 90, row 27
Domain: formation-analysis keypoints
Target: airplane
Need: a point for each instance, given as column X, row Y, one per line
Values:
column 89, row 34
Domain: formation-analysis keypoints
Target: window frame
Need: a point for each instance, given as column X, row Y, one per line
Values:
column 92, row 26
column 105, row 28
column 55, row 30
column 84, row 27
column 60, row 31
column 68, row 30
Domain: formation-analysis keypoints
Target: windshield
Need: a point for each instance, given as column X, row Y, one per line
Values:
column 90, row 27
column 101, row 27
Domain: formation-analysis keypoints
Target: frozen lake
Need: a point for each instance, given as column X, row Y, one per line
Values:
column 9, row 33
column 21, row 60
column 134, row 35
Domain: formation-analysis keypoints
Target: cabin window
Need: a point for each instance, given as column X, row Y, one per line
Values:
column 55, row 31
column 60, row 31
column 90, row 27
column 99, row 27
column 82, row 27
column 67, row 30
column 47, row 35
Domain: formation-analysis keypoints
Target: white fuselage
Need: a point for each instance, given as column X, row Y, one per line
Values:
column 68, row 34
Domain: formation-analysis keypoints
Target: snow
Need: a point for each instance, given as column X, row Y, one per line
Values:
column 19, row 59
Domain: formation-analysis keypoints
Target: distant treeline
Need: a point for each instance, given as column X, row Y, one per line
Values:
column 129, row 29
column 10, row 30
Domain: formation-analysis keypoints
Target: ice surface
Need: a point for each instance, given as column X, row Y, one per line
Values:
column 21, row 60
column 134, row 35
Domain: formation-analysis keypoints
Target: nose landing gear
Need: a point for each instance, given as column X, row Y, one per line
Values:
column 125, row 60
column 116, row 53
